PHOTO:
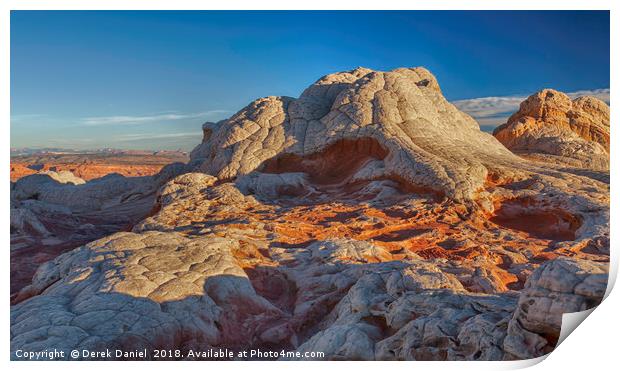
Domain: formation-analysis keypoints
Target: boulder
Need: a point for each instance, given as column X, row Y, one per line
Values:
column 561, row 286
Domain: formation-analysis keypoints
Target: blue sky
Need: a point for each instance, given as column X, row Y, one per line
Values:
column 147, row 80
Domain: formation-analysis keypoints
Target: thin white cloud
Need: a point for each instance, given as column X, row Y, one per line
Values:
column 73, row 140
column 493, row 111
column 26, row 117
column 602, row 94
column 133, row 120
column 489, row 106
column 145, row 136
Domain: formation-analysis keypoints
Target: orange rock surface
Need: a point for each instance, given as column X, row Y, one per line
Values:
column 92, row 166
column 87, row 171
column 550, row 127
column 493, row 252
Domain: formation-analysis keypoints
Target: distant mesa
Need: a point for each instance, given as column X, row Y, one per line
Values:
column 92, row 164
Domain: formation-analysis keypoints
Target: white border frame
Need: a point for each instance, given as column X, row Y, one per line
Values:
column 592, row 345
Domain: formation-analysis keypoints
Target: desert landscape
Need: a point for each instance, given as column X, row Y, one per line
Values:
column 90, row 165
column 367, row 219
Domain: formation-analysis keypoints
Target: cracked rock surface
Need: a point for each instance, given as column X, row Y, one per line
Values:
column 551, row 127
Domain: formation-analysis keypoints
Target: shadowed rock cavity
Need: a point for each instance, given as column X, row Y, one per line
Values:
column 348, row 169
column 538, row 221
column 338, row 163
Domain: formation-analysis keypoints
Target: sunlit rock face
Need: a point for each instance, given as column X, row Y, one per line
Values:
column 551, row 127
column 371, row 124
column 368, row 219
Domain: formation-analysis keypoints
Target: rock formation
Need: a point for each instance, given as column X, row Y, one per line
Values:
column 367, row 219
column 398, row 119
column 550, row 127
column 53, row 212
column 561, row 286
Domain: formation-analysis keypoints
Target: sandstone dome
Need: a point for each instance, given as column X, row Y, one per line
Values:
column 398, row 119
column 551, row 127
